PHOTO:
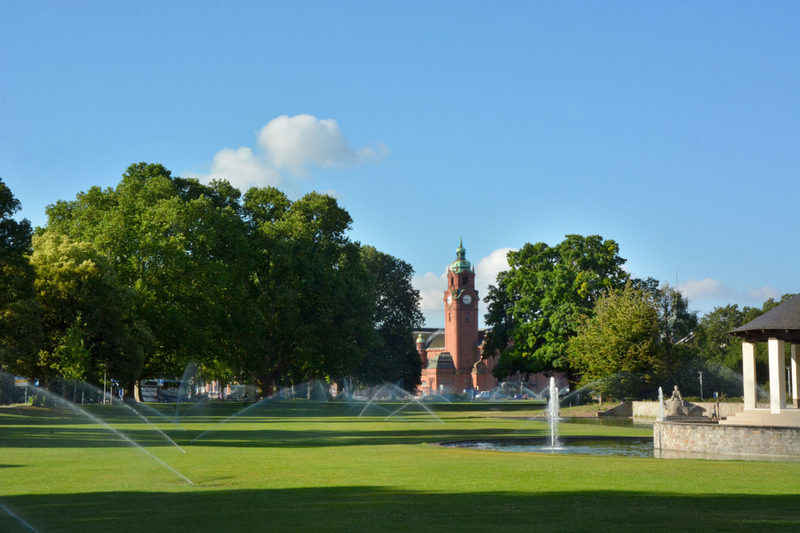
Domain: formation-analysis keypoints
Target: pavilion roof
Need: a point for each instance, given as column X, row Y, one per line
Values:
column 781, row 322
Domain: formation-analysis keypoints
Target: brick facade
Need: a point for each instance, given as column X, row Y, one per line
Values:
column 451, row 359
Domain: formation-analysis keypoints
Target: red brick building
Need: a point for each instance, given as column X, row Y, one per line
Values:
column 451, row 358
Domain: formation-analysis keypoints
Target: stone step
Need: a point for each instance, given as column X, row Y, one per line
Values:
column 763, row 417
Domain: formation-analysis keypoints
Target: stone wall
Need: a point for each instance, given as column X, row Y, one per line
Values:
column 625, row 409
column 650, row 409
column 751, row 441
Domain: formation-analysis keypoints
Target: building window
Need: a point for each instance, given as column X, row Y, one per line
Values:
column 466, row 317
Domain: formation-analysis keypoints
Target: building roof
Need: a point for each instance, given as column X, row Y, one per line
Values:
column 781, row 322
column 433, row 338
column 442, row 361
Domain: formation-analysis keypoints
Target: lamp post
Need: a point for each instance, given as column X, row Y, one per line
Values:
column 701, row 385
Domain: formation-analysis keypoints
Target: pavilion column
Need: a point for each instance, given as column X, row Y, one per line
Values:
column 795, row 376
column 777, row 376
column 749, row 374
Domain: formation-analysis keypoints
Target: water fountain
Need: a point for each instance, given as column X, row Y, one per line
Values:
column 582, row 445
column 57, row 400
column 19, row 519
column 184, row 393
column 394, row 391
column 61, row 402
column 96, row 392
column 552, row 413
column 237, row 414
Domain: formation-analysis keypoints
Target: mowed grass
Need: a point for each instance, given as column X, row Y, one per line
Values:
column 308, row 466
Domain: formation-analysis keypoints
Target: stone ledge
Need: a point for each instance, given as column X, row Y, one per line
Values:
column 726, row 439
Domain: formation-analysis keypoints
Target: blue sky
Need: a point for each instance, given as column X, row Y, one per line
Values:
column 672, row 127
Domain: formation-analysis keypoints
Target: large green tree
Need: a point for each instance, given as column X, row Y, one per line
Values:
column 713, row 339
column 393, row 355
column 85, row 314
column 254, row 287
column 182, row 248
column 311, row 290
column 540, row 301
column 19, row 327
column 618, row 350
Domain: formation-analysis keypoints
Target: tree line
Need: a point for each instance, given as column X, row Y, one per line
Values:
column 139, row 280
column 572, row 307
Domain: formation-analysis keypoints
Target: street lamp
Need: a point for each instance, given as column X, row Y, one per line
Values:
column 701, row 385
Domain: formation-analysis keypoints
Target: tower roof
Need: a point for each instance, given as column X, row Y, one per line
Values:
column 460, row 264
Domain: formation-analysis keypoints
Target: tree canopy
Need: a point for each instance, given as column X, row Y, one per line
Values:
column 84, row 312
column 619, row 349
column 141, row 279
column 19, row 328
column 394, row 356
column 146, row 277
column 538, row 304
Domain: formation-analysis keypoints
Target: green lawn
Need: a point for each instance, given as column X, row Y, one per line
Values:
column 307, row 466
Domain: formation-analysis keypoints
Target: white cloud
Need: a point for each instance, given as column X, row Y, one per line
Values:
column 292, row 145
column 242, row 168
column 762, row 294
column 712, row 291
column 487, row 269
column 704, row 289
column 431, row 291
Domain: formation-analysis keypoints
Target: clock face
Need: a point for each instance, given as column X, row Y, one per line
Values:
column 467, row 299
column 449, row 299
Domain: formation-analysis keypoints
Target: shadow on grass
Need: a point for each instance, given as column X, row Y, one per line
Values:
column 55, row 428
column 354, row 508
column 96, row 437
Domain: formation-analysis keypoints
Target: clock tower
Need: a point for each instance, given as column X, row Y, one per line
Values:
column 461, row 318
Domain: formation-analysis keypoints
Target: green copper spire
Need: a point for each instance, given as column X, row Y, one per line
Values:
column 461, row 251
column 460, row 264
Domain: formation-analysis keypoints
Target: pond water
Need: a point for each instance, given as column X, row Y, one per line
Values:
column 607, row 446
column 605, row 421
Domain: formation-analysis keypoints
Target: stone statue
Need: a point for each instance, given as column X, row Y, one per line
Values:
column 676, row 406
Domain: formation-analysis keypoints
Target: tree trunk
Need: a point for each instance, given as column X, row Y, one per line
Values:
column 130, row 390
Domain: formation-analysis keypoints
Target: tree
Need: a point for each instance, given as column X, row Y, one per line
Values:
column 19, row 330
column 393, row 355
column 182, row 248
column 255, row 287
column 619, row 348
column 677, row 323
column 84, row 314
column 15, row 241
column 713, row 339
column 540, row 301
column 310, row 288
